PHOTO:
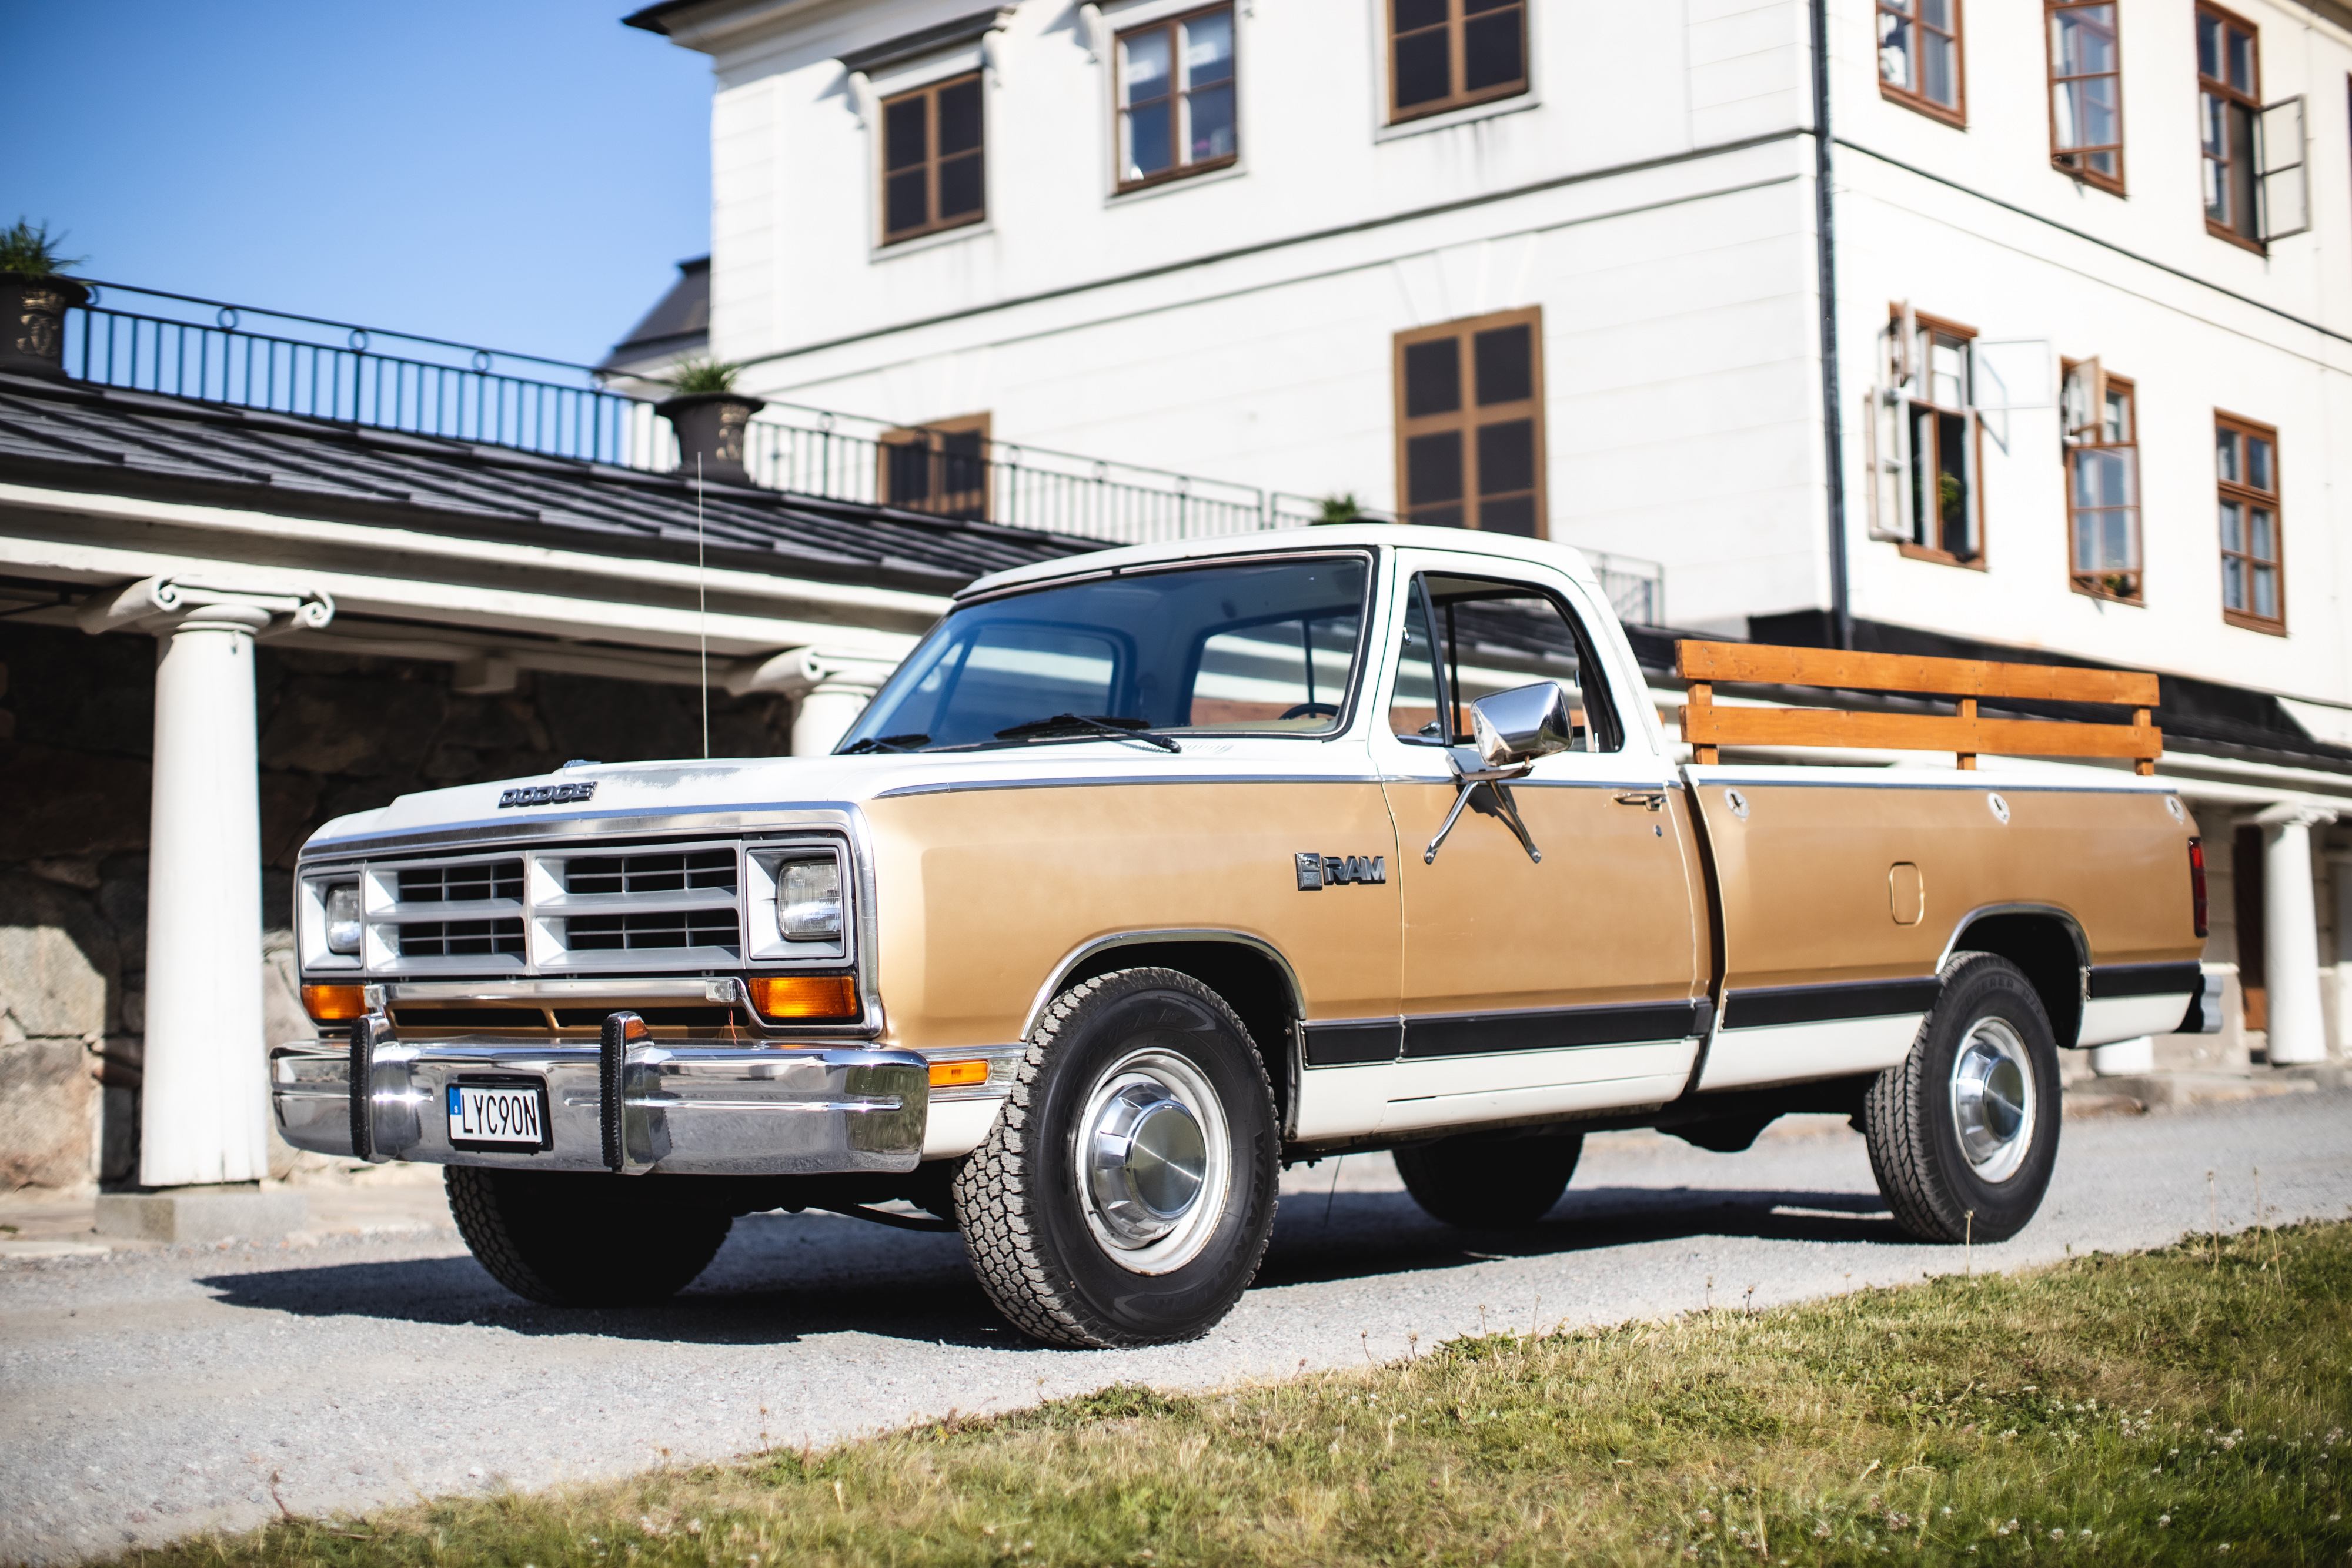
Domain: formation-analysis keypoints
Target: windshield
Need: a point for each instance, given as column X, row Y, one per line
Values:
column 1260, row 646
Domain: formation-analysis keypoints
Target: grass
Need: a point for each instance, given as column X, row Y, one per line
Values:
column 2184, row 1406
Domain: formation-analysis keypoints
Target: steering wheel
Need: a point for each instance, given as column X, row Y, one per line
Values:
column 1313, row 710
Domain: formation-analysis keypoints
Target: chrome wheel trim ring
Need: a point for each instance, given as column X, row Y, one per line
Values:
column 1154, row 1161
column 1995, row 1106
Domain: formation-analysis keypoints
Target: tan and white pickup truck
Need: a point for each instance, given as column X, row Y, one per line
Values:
column 1153, row 871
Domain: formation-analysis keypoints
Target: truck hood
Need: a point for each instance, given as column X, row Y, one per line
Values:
column 668, row 790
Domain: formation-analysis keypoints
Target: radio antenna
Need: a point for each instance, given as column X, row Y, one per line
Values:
column 701, row 607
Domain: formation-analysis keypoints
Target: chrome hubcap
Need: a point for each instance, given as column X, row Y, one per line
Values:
column 1154, row 1161
column 1994, row 1108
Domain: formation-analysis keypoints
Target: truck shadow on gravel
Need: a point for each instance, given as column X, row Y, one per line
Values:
column 1369, row 1234
column 780, row 1280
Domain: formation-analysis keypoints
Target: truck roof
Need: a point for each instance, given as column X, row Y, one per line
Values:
column 1321, row 536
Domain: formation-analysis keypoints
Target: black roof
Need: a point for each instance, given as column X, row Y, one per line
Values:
column 72, row 435
column 678, row 322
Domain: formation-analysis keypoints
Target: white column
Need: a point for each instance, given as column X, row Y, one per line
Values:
column 832, row 686
column 2291, row 934
column 204, row 1106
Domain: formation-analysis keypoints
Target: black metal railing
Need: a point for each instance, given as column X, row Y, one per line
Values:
column 182, row 346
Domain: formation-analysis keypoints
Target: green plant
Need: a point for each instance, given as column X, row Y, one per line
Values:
column 29, row 250
column 704, row 375
column 1340, row 508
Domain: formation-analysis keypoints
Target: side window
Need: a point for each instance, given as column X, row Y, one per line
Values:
column 1467, row 638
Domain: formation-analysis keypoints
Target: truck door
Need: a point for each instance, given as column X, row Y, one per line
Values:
column 1528, row 986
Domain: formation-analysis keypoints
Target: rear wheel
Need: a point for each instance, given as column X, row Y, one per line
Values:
column 580, row 1240
column 1964, row 1134
column 1481, row 1183
column 1127, row 1193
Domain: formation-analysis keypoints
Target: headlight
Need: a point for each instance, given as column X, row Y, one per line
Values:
column 343, row 917
column 808, row 900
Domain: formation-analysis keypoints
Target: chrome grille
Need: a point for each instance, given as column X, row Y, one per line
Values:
column 675, row 873
column 466, row 883
column 567, row 909
column 639, row 932
column 461, row 938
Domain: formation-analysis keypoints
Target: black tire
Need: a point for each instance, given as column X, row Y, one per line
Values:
column 1043, row 1242
column 580, row 1240
column 1915, row 1114
column 1488, row 1183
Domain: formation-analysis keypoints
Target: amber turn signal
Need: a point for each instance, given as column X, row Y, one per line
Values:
column 334, row 1004
column 956, row 1074
column 805, row 996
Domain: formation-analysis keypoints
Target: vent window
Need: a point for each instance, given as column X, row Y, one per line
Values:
column 713, row 869
column 461, row 938
column 464, row 884
column 681, row 928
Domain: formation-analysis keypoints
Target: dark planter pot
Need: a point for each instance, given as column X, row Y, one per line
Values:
column 32, row 323
column 711, row 425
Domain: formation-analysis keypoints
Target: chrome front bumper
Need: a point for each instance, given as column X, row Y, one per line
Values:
column 682, row 1106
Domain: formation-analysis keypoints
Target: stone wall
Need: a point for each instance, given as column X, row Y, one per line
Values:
column 338, row 734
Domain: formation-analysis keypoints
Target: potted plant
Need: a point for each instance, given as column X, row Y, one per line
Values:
column 34, row 300
column 709, row 416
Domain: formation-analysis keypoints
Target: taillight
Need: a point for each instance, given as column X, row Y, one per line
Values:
column 2196, row 882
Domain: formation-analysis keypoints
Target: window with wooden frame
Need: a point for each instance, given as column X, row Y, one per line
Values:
column 2101, row 454
column 2229, row 107
column 1942, row 443
column 933, row 174
column 1176, row 106
column 2253, row 580
column 1470, row 448
column 942, row 469
column 1919, row 62
column 1449, row 54
column 2086, row 108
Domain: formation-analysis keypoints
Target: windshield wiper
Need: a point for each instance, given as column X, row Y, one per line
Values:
column 1125, row 728
column 888, row 743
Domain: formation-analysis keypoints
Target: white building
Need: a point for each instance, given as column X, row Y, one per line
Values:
column 1588, row 270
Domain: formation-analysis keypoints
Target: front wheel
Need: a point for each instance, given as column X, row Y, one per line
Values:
column 581, row 1239
column 1127, row 1193
column 1964, row 1134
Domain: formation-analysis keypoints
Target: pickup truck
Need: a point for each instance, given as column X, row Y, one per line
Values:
column 1153, row 871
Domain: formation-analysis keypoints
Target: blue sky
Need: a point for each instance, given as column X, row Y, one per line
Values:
column 522, row 174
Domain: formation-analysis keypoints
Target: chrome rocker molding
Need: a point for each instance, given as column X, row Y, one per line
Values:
column 681, row 1107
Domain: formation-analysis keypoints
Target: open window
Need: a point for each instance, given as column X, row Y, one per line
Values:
column 1466, row 637
column 1924, row 443
column 942, row 469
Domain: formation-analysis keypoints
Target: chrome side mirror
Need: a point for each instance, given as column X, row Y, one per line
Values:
column 1515, row 728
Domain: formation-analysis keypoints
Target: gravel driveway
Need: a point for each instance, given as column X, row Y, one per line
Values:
column 150, row 1395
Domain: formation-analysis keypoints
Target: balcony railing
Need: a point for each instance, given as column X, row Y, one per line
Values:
column 201, row 349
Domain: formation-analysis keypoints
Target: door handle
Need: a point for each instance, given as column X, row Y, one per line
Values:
column 1656, row 799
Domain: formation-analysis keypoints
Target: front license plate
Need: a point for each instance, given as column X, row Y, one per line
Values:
column 498, row 1116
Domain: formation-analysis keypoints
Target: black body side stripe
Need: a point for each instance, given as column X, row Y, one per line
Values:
column 2145, row 980
column 1823, row 1004
column 1549, row 1029
column 1353, row 1044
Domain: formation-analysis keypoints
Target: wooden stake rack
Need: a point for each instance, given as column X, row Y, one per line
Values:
column 1968, row 681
